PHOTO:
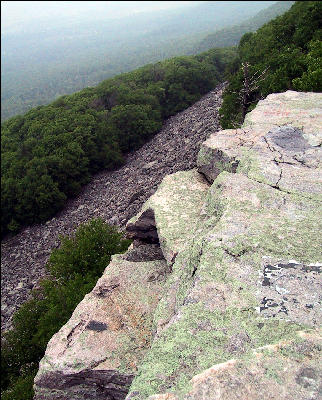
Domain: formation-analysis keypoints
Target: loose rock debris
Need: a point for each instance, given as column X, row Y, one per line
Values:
column 114, row 196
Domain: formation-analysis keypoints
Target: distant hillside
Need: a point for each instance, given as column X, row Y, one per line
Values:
column 230, row 36
column 283, row 54
column 62, row 55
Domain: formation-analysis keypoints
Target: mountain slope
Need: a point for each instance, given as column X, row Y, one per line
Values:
column 230, row 36
column 61, row 56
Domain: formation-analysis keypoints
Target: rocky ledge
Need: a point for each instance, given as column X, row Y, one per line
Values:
column 219, row 296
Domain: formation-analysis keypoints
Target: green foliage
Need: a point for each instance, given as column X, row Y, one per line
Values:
column 74, row 268
column 49, row 153
column 87, row 252
column 22, row 388
column 310, row 81
column 289, row 47
column 60, row 300
column 132, row 124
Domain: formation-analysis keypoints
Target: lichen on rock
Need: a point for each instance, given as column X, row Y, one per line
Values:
column 234, row 308
column 215, row 293
column 286, row 370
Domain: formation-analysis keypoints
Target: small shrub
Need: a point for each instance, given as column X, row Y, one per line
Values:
column 88, row 252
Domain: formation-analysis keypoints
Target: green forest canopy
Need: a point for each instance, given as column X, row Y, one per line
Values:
column 51, row 151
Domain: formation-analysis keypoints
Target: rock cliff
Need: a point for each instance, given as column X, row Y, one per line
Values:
column 219, row 296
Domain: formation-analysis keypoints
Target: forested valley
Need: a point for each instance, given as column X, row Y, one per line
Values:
column 61, row 55
column 51, row 151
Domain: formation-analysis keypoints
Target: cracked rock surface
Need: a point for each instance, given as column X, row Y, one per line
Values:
column 279, row 144
column 233, row 310
column 114, row 196
column 249, row 272
column 287, row 161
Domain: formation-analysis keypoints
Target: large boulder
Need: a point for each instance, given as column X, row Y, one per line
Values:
column 279, row 144
column 96, row 354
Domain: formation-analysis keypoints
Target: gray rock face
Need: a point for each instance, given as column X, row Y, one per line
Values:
column 278, row 138
column 296, row 109
column 144, row 252
column 289, row 139
column 95, row 384
column 233, row 311
column 218, row 153
column 282, row 158
column 285, row 159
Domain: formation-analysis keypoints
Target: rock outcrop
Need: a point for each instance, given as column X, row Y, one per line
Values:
column 233, row 309
column 96, row 354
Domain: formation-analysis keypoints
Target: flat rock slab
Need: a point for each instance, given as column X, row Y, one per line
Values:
column 298, row 109
column 282, row 158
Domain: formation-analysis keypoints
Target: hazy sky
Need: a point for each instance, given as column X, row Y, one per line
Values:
column 17, row 13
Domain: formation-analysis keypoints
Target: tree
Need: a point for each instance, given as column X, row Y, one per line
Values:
column 251, row 86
